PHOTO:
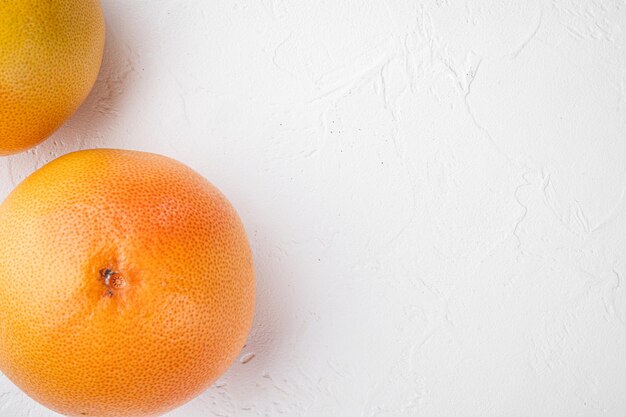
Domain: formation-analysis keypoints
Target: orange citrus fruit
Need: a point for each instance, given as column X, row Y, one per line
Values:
column 126, row 284
column 50, row 55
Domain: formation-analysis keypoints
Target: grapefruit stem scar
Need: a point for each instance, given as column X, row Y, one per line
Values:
column 112, row 280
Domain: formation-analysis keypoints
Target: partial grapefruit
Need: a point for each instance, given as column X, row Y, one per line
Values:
column 50, row 55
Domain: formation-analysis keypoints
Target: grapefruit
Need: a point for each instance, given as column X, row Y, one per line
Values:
column 50, row 55
column 126, row 284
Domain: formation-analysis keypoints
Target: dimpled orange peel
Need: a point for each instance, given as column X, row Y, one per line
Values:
column 126, row 284
column 50, row 55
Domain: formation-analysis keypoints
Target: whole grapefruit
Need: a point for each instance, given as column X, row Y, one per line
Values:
column 50, row 55
column 126, row 284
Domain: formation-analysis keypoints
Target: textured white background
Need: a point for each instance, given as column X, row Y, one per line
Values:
column 434, row 191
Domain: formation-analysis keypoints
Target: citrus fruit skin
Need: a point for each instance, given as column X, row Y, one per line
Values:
column 126, row 284
column 50, row 55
